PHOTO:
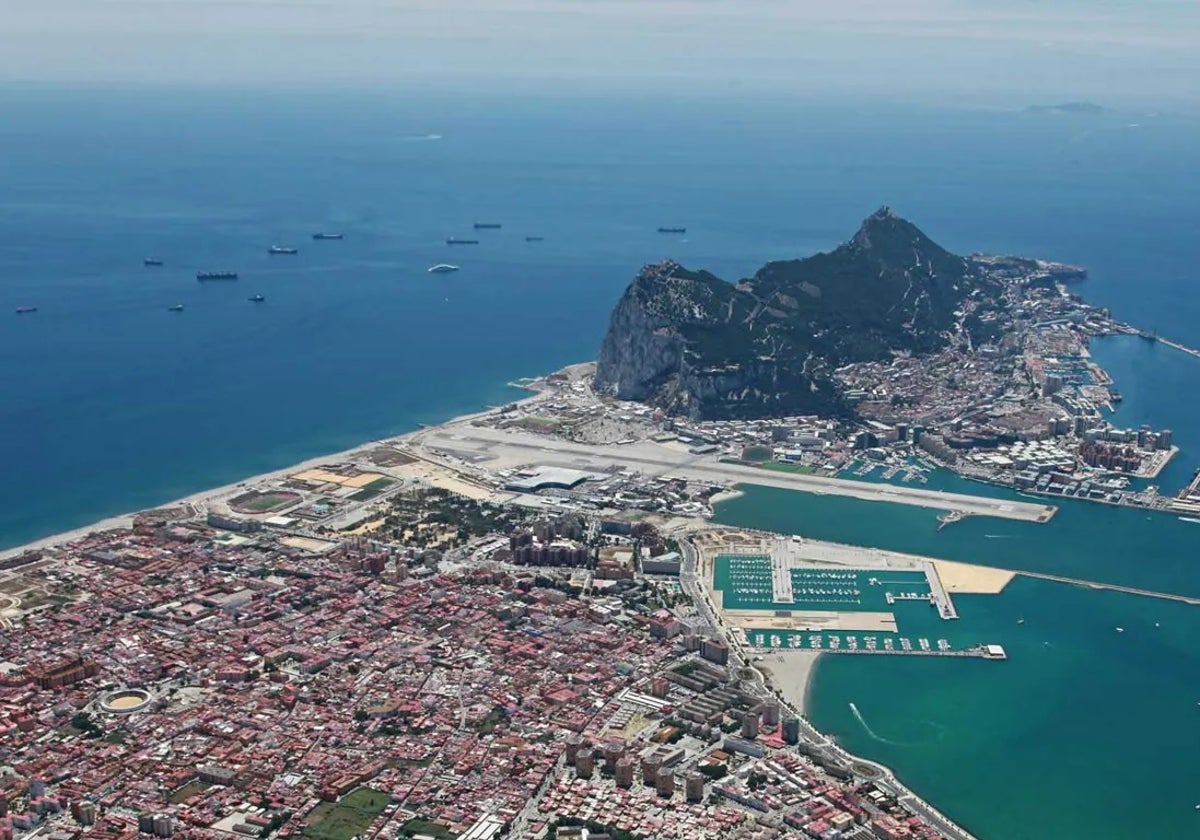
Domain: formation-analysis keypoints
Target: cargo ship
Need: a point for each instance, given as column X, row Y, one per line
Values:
column 151, row 261
column 176, row 308
column 216, row 275
column 672, row 230
column 256, row 298
column 442, row 268
column 25, row 310
column 456, row 241
column 327, row 236
column 279, row 249
column 487, row 226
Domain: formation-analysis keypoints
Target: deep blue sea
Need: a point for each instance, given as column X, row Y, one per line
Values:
column 108, row 402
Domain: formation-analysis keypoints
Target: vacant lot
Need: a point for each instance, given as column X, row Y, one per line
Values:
column 348, row 817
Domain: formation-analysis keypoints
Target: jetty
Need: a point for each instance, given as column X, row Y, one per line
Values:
column 1129, row 590
column 993, row 652
column 1191, row 351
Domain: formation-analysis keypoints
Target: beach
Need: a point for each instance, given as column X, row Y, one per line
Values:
column 791, row 673
column 417, row 469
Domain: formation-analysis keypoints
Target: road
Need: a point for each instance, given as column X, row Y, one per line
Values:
column 478, row 445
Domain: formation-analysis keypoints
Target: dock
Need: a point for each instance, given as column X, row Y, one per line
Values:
column 892, row 646
column 977, row 652
column 938, row 594
column 781, row 580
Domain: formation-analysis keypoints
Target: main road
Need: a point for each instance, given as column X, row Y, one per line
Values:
column 477, row 445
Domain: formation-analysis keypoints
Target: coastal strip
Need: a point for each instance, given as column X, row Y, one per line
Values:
column 468, row 444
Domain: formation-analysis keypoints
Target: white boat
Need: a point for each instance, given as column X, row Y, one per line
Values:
column 442, row 268
column 1191, row 519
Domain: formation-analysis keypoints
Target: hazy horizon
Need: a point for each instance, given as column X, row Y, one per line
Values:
column 1117, row 53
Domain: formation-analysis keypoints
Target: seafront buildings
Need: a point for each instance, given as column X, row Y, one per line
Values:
column 1028, row 410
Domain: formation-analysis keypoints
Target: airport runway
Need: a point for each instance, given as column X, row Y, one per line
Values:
column 480, row 445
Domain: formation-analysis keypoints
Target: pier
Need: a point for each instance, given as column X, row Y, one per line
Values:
column 1183, row 348
column 1129, row 590
column 781, row 579
column 937, row 592
column 978, row 652
column 892, row 646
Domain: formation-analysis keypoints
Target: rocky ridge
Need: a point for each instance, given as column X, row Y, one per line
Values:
column 696, row 345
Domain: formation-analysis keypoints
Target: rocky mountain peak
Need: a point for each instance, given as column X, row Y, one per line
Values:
column 690, row 342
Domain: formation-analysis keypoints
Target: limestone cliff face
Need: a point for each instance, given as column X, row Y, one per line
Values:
column 695, row 345
column 655, row 349
column 642, row 349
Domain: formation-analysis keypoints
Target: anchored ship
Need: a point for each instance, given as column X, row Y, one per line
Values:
column 176, row 308
column 279, row 249
column 456, row 241
column 216, row 275
column 327, row 236
column 672, row 230
column 151, row 261
column 487, row 226
column 256, row 298
column 442, row 268
column 25, row 310
column 534, row 238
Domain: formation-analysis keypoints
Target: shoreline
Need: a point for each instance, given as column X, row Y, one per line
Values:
column 125, row 520
column 791, row 679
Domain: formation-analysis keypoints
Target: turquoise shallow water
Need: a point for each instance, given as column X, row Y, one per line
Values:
column 1084, row 732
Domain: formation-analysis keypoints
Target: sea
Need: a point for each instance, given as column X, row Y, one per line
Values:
column 109, row 402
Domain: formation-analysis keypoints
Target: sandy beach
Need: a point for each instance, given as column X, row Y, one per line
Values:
column 791, row 673
column 969, row 579
column 200, row 498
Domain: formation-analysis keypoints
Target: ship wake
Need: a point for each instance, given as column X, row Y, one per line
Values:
column 877, row 737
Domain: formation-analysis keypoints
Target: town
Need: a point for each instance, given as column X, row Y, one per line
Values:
column 1026, row 411
column 366, row 654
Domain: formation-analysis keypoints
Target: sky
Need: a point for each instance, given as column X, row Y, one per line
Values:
column 1015, row 52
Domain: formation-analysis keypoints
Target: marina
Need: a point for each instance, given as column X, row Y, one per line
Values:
column 761, row 581
column 867, row 645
